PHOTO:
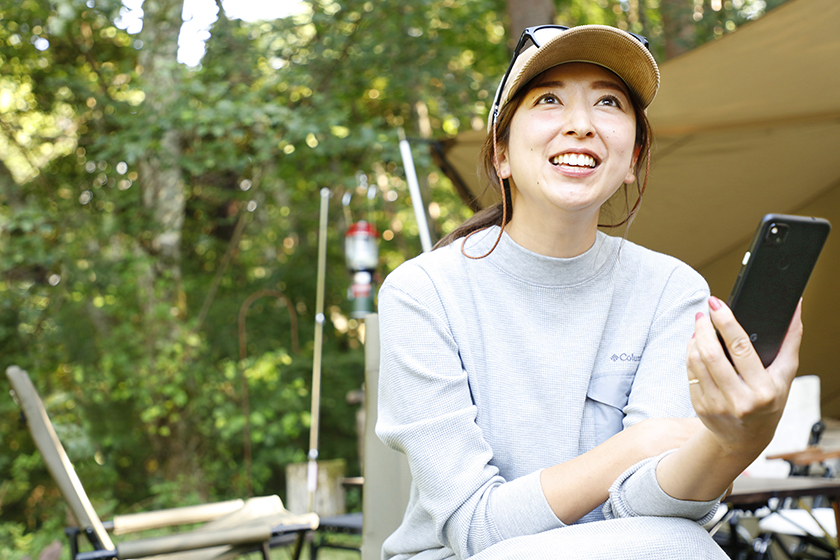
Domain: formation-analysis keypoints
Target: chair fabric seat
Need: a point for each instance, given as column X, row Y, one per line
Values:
column 799, row 522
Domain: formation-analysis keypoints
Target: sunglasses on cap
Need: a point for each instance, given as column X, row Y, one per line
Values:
column 538, row 35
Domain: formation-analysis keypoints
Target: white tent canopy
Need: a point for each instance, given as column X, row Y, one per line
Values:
column 744, row 126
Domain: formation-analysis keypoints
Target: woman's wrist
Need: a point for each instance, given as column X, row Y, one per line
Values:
column 704, row 467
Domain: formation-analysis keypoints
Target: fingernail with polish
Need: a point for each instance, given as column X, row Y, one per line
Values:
column 715, row 303
column 698, row 316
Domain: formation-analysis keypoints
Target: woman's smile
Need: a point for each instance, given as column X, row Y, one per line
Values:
column 574, row 164
column 574, row 160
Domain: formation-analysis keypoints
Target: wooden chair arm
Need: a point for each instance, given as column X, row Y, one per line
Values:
column 192, row 541
column 807, row 457
column 259, row 531
column 132, row 523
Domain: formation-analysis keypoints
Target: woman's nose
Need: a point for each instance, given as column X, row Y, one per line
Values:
column 578, row 122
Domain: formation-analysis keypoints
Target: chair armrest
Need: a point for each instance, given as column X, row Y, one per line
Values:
column 195, row 540
column 131, row 523
column 807, row 457
column 144, row 548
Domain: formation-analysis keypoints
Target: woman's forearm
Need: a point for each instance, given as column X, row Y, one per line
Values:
column 578, row 486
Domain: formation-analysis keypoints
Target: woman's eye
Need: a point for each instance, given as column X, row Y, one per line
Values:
column 610, row 101
column 547, row 98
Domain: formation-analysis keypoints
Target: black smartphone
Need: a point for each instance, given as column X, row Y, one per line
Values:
column 773, row 276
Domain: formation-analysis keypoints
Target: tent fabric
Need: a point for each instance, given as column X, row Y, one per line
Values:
column 744, row 126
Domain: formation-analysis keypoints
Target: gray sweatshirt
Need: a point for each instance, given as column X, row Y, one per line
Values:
column 494, row 369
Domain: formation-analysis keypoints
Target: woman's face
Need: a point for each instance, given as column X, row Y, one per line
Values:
column 571, row 147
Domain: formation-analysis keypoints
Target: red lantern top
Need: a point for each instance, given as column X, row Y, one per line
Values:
column 362, row 228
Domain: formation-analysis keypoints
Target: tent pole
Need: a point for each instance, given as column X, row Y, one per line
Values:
column 312, row 466
column 414, row 190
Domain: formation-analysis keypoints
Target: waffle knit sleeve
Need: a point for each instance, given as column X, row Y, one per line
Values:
column 637, row 493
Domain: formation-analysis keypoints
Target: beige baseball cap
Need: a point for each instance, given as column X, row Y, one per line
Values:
column 621, row 52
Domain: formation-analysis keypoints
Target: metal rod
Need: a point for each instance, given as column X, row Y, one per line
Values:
column 312, row 468
column 414, row 190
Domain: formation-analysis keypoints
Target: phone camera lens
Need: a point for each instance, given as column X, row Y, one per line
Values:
column 777, row 233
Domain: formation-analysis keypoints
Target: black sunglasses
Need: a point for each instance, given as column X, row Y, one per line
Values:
column 538, row 35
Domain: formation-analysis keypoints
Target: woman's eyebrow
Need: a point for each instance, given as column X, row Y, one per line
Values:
column 608, row 84
column 598, row 84
column 551, row 84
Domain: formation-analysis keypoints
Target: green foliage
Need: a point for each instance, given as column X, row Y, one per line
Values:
column 138, row 354
column 17, row 542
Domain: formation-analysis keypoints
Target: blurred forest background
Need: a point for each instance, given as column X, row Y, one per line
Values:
column 142, row 201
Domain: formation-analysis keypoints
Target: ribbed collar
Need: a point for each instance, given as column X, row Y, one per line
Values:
column 535, row 268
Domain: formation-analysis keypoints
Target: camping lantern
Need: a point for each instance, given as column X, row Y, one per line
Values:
column 362, row 254
column 360, row 247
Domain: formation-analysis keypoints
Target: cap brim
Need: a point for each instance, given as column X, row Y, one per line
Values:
column 605, row 46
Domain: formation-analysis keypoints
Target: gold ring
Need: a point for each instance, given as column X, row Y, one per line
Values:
column 693, row 381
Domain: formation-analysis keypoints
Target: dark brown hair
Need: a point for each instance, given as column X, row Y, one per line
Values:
column 493, row 215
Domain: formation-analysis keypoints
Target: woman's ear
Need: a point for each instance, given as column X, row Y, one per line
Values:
column 502, row 163
column 631, row 173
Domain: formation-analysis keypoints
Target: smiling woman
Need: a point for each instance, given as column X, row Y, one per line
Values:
column 534, row 369
column 571, row 147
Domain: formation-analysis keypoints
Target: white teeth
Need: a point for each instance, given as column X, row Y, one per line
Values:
column 577, row 160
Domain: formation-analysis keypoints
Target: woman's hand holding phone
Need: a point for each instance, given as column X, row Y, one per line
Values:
column 739, row 376
column 739, row 401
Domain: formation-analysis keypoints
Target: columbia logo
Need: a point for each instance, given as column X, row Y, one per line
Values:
column 626, row 358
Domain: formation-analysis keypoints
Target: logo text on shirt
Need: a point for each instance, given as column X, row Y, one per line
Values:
column 626, row 357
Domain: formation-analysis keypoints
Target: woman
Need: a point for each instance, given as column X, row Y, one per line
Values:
column 534, row 369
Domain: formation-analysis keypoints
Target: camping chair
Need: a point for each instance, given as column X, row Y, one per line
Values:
column 387, row 480
column 799, row 528
column 233, row 528
column 811, row 527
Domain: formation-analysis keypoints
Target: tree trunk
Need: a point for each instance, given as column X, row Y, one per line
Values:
column 525, row 13
column 159, row 283
column 678, row 27
column 161, row 180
